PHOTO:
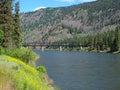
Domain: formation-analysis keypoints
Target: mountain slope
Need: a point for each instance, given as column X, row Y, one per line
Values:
column 52, row 24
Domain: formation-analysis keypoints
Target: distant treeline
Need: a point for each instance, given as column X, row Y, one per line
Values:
column 10, row 29
column 109, row 41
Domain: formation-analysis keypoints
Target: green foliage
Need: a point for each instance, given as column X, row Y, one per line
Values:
column 10, row 30
column 23, row 76
column 2, row 50
column 72, row 30
column 24, row 54
column 6, row 22
column 17, row 31
column 118, row 38
column 1, row 36
column 108, row 41
column 41, row 69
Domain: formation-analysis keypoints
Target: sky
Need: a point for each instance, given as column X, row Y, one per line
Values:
column 32, row 5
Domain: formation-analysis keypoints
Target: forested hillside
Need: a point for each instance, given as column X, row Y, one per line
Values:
column 53, row 24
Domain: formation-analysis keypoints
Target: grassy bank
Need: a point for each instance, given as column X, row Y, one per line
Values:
column 18, row 71
column 88, row 49
column 24, row 54
column 21, row 76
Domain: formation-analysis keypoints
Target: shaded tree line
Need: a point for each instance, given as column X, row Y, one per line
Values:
column 10, row 28
column 109, row 41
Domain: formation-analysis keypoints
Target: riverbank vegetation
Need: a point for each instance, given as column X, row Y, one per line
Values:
column 17, row 64
column 101, row 42
column 18, row 71
column 24, row 54
column 20, row 76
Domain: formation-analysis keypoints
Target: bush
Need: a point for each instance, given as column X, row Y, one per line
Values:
column 2, row 50
column 24, row 54
column 41, row 69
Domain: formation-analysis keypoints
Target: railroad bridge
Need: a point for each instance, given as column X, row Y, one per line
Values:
column 42, row 46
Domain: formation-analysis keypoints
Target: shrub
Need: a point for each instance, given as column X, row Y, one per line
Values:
column 41, row 69
column 24, row 54
column 2, row 50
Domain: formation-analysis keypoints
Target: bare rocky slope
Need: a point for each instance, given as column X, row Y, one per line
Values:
column 52, row 24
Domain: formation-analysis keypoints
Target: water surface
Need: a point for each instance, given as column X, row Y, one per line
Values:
column 82, row 70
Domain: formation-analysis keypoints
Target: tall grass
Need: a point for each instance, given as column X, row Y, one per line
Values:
column 24, row 54
column 15, row 68
column 21, row 75
column 6, row 83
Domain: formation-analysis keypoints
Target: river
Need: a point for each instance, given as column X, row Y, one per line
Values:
column 82, row 70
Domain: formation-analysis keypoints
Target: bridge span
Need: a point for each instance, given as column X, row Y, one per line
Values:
column 42, row 46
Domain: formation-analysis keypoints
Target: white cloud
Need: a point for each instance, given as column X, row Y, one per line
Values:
column 42, row 7
column 75, row 0
column 66, row 0
column 86, row 0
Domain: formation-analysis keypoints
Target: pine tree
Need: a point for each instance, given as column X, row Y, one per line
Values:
column 1, row 12
column 99, row 42
column 1, row 22
column 17, row 33
column 1, row 36
column 10, row 28
column 6, row 22
column 112, row 41
column 118, row 38
column 106, row 40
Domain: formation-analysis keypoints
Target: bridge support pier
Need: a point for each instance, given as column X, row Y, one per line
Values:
column 60, row 48
column 81, row 48
column 37, row 47
column 43, row 48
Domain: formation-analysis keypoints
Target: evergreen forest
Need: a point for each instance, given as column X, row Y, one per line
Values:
column 10, row 27
column 107, row 41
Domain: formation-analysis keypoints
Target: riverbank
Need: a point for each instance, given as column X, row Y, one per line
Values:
column 87, row 49
column 20, row 72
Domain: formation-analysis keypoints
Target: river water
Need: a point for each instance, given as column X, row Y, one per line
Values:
column 82, row 70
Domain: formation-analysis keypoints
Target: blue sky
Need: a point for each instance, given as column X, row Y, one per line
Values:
column 31, row 5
